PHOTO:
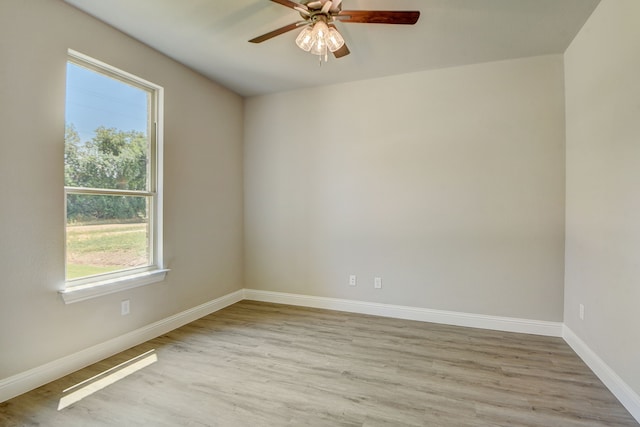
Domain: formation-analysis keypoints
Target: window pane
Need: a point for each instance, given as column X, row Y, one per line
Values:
column 106, row 233
column 107, row 126
column 111, row 173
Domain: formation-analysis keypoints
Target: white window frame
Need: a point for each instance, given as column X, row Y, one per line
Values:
column 81, row 289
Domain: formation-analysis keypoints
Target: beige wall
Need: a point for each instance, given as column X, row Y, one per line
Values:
column 603, row 195
column 448, row 184
column 203, row 186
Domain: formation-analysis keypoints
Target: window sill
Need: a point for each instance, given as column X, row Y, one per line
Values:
column 106, row 287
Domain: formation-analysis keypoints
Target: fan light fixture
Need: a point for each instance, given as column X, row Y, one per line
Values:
column 320, row 35
column 320, row 39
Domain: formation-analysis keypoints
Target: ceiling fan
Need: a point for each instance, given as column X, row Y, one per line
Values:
column 320, row 35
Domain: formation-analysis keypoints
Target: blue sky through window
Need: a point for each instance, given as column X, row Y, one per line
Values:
column 95, row 100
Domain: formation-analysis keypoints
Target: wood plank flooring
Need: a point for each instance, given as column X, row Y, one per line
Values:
column 259, row 364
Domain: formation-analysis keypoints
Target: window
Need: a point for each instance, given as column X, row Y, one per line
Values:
column 112, row 187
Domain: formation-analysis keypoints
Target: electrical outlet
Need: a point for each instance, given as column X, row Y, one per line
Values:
column 124, row 307
column 377, row 283
column 581, row 311
column 352, row 280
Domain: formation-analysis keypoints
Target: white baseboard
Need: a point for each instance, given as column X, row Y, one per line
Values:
column 629, row 398
column 508, row 324
column 36, row 377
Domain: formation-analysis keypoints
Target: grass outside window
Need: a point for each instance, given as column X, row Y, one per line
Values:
column 102, row 248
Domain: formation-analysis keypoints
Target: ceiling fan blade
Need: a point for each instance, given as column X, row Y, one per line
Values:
column 343, row 51
column 291, row 4
column 406, row 17
column 277, row 32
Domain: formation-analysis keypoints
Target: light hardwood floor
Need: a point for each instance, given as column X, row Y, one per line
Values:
column 258, row 364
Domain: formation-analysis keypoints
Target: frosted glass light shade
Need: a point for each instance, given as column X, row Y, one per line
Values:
column 319, row 47
column 304, row 39
column 318, row 38
column 334, row 40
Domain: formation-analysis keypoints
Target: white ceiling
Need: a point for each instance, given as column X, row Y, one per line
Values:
column 211, row 36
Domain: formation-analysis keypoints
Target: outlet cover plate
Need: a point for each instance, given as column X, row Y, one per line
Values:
column 124, row 307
